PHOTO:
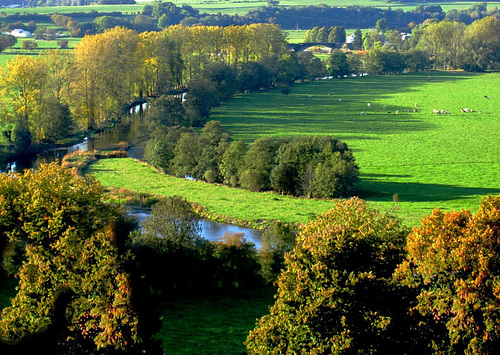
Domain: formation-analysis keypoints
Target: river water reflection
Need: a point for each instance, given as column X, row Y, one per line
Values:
column 209, row 229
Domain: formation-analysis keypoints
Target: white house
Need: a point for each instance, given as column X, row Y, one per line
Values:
column 350, row 39
column 20, row 33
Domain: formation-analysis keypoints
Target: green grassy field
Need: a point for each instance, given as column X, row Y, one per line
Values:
column 232, row 204
column 212, row 324
column 447, row 161
column 430, row 160
column 240, row 6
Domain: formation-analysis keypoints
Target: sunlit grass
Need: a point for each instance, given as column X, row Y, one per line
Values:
column 229, row 203
column 446, row 161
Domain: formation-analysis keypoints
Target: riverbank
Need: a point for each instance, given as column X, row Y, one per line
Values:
column 215, row 202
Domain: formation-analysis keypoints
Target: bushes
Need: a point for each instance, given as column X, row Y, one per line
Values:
column 348, row 286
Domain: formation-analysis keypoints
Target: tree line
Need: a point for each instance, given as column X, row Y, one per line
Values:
column 309, row 166
column 46, row 97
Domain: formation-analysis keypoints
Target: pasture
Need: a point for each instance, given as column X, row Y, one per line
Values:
column 241, row 6
column 448, row 161
column 236, row 205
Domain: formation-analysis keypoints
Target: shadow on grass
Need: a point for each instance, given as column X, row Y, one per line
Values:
column 335, row 107
column 374, row 190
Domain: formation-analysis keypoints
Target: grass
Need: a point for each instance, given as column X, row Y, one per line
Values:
column 212, row 324
column 240, row 6
column 445, row 161
column 228, row 203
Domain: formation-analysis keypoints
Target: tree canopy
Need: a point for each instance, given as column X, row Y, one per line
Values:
column 72, row 287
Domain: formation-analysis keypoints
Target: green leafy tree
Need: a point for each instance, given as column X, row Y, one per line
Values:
column 232, row 162
column 338, row 66
column 453, row 262
column 358, row 40
column 335, row 294
column 337, row 34
column 72, row 285
column 277, row 240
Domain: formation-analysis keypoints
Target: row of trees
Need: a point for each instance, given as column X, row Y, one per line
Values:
column 310, row 166
column 334, row 34
column 447, row 44
column 355, row 283
column 45, row 97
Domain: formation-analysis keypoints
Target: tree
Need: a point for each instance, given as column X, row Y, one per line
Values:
column 277, row 240
column 335, row 294
column 337, row 34
column 337, row 64
column 358, row 40
column 453, row 263
column 382, row 25
column 236, row 262
column 107, row 67
column 481, row 44
column 173, row 218
column 232, row 162
column 7, row 41
column 214, row 141
column 72, row 286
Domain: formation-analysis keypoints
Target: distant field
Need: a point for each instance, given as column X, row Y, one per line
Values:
column 240, row 7
column 445, row 161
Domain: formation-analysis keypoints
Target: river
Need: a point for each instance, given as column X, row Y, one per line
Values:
column 127, row 130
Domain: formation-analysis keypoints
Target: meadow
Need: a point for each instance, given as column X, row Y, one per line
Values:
column 229, row 204
column 241, row 6
column 447, row 161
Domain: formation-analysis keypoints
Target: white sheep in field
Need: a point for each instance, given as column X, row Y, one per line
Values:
column 362, row 113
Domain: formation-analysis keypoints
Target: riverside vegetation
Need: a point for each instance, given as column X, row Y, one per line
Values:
column 434, row 293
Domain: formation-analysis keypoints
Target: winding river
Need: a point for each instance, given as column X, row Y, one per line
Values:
column 127, row 130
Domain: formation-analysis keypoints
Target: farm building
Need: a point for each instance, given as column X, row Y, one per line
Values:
column 20, row 33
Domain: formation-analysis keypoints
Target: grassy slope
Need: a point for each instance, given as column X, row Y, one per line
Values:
column 445, row 161
column 217, row 199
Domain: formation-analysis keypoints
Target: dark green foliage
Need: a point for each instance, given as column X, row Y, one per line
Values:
column 259, row 161
column 173, row 259
column 338, row 66
column 22, row 136
column 313, row 67
column 236, row 262
column 317, row 166
column 335, row 294
column 232, row 162
column 278, row 239
column 337, row 35
column 253, row 76
column 358, row 40
column 7, row 41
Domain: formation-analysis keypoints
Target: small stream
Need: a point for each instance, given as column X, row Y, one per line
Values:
column 127, row 130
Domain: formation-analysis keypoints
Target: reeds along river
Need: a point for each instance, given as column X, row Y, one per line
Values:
column 127, row 130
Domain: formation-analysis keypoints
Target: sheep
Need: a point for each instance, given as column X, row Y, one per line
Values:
column 438, row 112
column 385, row 106
column 397, row 111
column 362, row 113
column 466, row 110
column 485, row 96
column 416, row 104
column 369, row 104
